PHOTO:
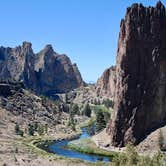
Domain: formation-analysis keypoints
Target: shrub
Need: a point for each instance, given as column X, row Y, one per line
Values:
column 40, row 130
column 31, row 130
column 21, row 133
column 46, row 128
column 17, row 128
column 131, row 158
column 108, row 103
column 160, row 140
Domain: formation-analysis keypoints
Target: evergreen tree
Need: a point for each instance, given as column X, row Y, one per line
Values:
column 87, row 110
column 95, row 102
column 100, row 121
column 108, row 103
column 106, row 116
column 75, row 109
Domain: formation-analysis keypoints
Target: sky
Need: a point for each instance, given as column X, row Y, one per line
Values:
column 85, row 30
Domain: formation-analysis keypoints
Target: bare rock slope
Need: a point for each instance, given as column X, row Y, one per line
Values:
column 140, row 91
column 105, row 85
column 45, row 73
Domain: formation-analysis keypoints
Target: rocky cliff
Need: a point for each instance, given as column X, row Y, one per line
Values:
column 140, row 94
column 105, row 85
column 45, row 73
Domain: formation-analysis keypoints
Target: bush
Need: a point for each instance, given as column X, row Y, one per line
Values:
column 160, row 140
column 21, row 133
column 36, row 126
column 131, row 158
column 31, row 130
column 40, row 130
column 46, row 128
column 108, row 103
column 17, row 128
column 72, row 123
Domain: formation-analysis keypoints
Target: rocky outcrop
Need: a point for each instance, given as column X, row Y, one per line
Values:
column 27, row 106
column 105, row 85
column 8, row 88
column 45, row 73
column 140, row 92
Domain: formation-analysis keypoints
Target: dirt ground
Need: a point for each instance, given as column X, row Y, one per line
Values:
column 14, row 152
column 149, row 146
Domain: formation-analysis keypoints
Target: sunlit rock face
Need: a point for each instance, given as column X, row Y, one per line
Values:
column 140, row 91
column 45, row 73
column 105, row 85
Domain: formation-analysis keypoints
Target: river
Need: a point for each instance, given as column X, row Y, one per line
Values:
column 60, row 148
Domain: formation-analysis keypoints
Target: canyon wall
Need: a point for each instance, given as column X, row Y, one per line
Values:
column 105, row 85
column 46, row 72
column 140, row 90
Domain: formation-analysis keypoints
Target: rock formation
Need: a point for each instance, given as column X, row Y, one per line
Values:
column 105, row 85
column 28, row 107
column 45, row 73
column 140, row 92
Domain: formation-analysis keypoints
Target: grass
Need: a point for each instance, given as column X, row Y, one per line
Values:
column 102, row 108
column 88, row 122
column 39, row 144
column 31, row 145
column 89, row 147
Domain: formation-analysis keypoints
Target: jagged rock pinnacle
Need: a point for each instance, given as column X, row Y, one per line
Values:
column 140, row 85
column 27, row 44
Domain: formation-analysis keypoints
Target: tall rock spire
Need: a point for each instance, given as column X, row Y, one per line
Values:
column 140, row 89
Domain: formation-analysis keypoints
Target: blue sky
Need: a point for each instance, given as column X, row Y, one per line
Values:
column 86, row 30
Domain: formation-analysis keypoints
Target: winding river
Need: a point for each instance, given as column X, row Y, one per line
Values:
column 59, row 148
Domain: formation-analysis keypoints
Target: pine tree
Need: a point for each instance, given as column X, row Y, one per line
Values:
column 75, row 109
column 100, row 121
column 87, row 110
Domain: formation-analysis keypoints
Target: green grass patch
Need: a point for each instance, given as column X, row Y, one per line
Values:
column 31, row 145
column 101, row 108
column 88, row 122
column 89, row 147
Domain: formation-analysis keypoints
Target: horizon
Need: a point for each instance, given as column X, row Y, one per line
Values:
column 86, row 31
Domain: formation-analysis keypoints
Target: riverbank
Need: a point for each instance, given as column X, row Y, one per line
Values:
column 16, row 150
column 34, row 143
column 88, row 146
